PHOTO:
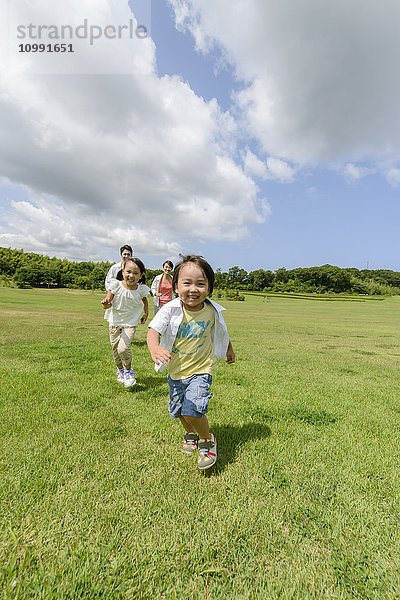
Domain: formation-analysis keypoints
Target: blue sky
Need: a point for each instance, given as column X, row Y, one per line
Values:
column 245, row 133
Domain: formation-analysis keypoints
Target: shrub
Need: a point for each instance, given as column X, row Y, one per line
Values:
column 233, row 295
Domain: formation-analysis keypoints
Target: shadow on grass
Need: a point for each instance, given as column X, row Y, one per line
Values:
column 231, row 438
column 139, row 343
column 295, row 413
column 149, row 382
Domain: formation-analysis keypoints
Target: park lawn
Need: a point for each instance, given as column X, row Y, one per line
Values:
column 98, row 502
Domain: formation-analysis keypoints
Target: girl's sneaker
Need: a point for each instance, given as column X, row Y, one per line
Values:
column 120, row 376
column 207, row 453
column 190, row 442
column 129, row 378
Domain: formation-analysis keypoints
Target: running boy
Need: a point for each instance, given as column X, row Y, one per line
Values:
column 124, row 303
column 193, row 333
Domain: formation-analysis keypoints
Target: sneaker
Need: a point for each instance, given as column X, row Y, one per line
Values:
column 190, row 442
column 129, row 378
column 207, row 453
column 120, row 376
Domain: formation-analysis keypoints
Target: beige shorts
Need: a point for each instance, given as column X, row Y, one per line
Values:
column 120, row 340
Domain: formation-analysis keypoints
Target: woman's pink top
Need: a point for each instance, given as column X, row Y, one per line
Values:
column 165, row 289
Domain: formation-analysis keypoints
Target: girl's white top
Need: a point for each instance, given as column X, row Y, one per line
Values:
column 127, row 305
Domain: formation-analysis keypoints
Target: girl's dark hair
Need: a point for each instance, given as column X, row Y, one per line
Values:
column 126, row 247
column 139, row 264
column 169, row 263
column 200, row 262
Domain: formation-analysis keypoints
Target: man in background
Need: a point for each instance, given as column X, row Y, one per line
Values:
column 125, row 252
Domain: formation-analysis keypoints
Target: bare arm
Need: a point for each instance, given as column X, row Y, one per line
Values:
column 145, row 314
column 160, row 355
column 230, row 355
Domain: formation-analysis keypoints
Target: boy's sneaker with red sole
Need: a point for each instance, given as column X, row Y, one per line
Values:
column 190, row 441
column 207, row 453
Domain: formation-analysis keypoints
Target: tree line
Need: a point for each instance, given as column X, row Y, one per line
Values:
column 27, row 269
column 320, row 280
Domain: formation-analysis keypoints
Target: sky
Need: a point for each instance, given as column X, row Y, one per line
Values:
column 257, row 133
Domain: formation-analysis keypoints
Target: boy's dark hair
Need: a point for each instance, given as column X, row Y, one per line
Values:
column 126, row 247
column 169, row 263
column 200, row 262
column 139, row 264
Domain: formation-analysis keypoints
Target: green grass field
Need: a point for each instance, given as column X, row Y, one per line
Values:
column 98, row 502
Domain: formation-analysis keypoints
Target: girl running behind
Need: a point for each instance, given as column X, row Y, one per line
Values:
column 124, row 303
column 193, row 333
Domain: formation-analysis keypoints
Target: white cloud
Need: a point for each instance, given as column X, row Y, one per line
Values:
column 322, row 79
column 272, row 168
column 144, row 154
column 353, row 173
column 45, row 226
column 280, row 170
column 393, row 176
column 253, row 165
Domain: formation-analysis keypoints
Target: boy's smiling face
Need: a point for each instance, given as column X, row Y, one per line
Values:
column 192, row 287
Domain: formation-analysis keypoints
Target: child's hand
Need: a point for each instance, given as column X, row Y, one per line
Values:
column 160, row 355
column 143, row 318
column 230, row 355
column 106, row 303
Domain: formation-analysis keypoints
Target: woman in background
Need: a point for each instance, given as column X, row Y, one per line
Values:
column 161, row 288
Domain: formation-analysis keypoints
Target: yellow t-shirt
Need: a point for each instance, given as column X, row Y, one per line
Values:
column 193, row 349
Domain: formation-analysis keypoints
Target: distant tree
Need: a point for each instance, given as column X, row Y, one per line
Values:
column 50, row 276
column 259, row 280
column 28, row 276
column 281, row 275
column 150, row 274
column 335, row 279
column 97, row 277
column 237, row 277
column 358, row 286
column 220, row 279
column 84, row 282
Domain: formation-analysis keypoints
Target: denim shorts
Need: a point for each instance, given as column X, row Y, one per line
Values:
column 189, row 397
